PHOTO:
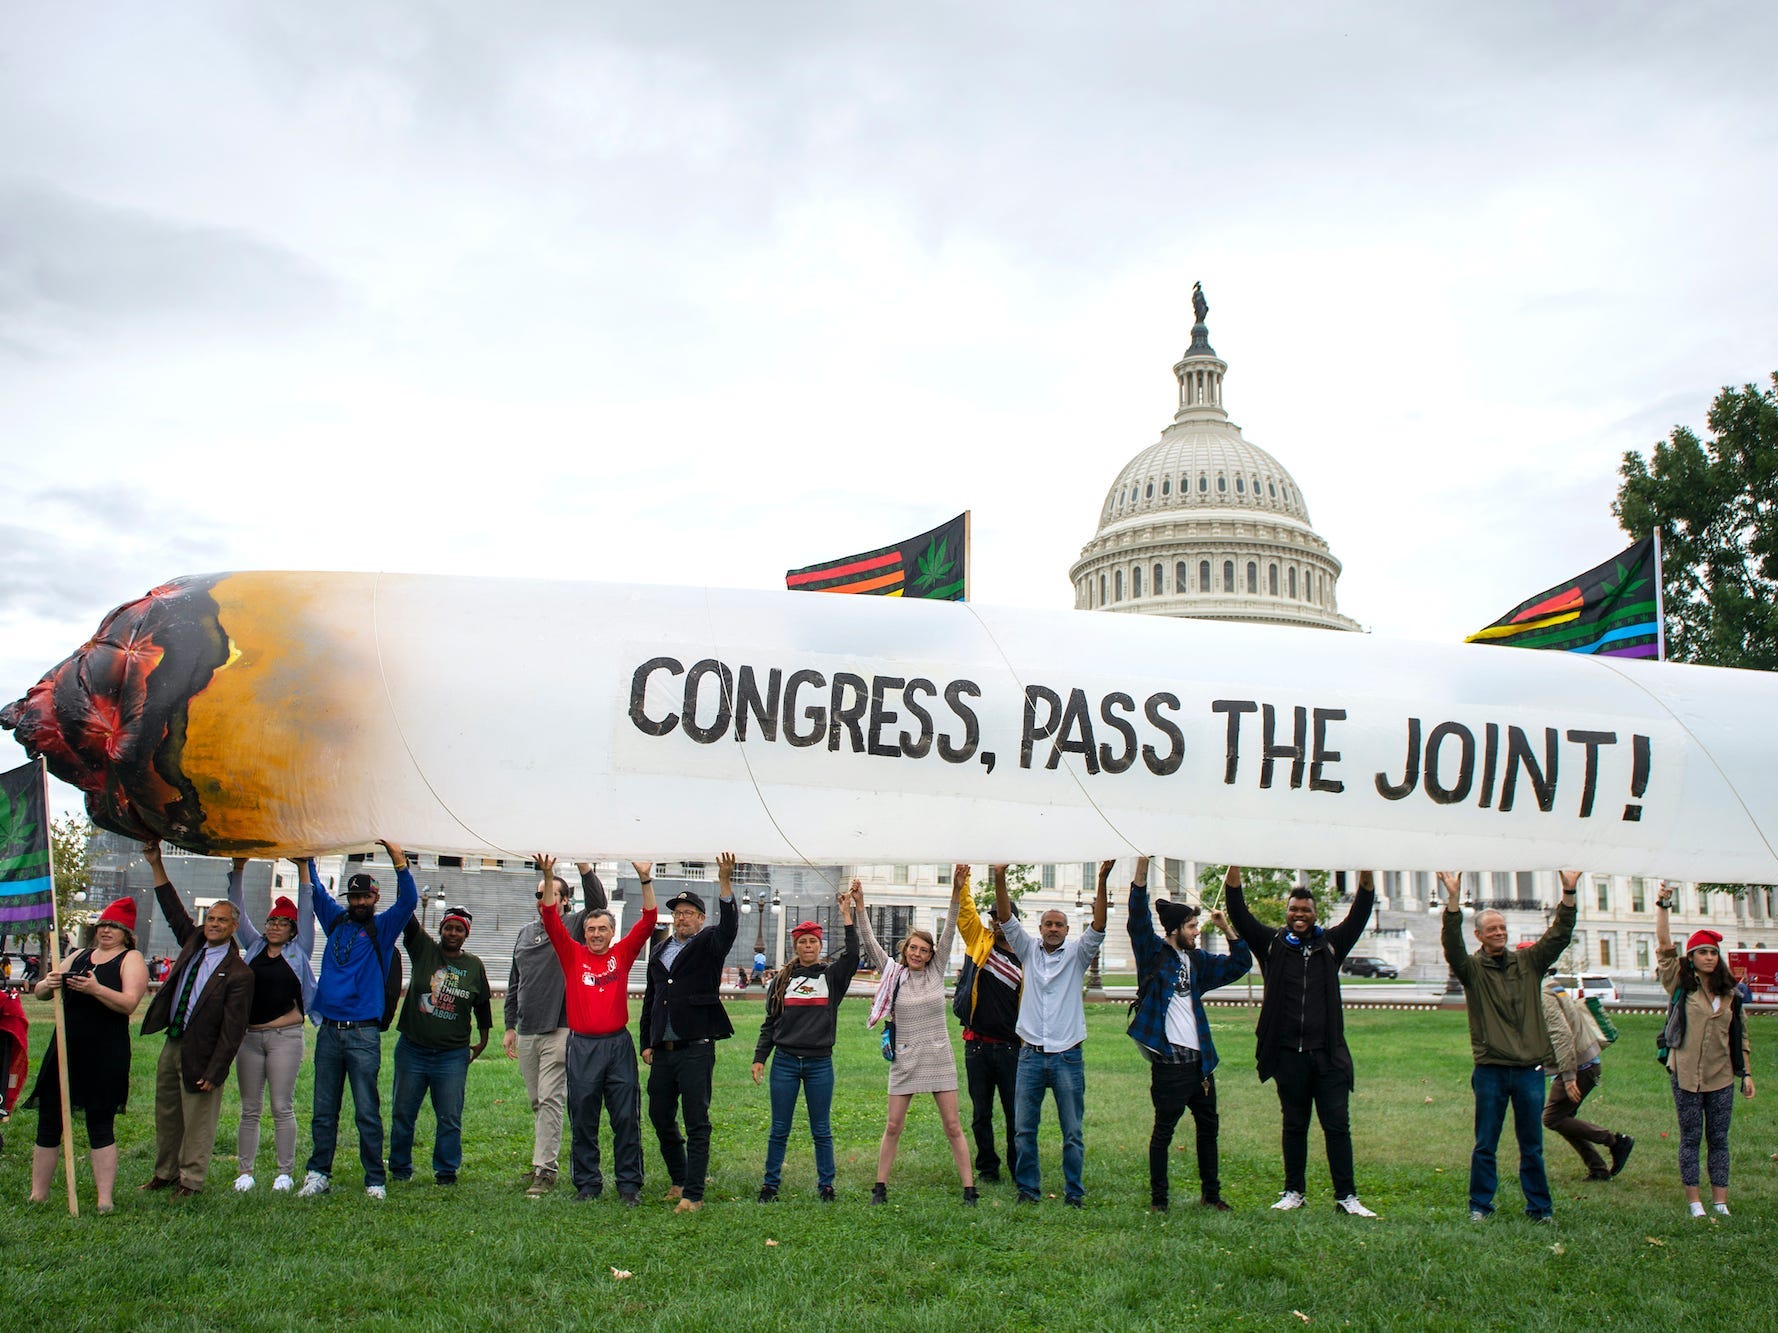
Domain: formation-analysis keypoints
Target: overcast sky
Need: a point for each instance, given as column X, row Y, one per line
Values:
column 693, row 292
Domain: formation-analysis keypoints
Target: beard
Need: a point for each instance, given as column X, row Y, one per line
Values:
column 361, row 913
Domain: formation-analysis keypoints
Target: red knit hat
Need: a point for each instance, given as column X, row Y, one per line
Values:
column 282, row 908
column 1700, row 938
column 122, row 912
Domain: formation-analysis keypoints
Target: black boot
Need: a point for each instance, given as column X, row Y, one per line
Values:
column 879, row 1193
column 969, row 1194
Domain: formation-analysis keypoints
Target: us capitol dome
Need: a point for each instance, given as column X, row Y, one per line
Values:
column 1205, row 525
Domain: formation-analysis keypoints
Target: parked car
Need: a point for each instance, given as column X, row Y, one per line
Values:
column 1590, row 986
column 1361, row 965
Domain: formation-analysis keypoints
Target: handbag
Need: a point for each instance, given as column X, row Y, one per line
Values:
column 889, row 1026
column 1673, row 1030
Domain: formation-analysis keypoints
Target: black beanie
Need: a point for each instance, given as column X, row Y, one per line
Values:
column 1173, row 915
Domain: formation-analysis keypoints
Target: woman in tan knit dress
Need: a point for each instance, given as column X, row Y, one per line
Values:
column 924, row 1060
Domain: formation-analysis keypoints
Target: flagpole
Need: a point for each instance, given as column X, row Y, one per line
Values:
column 1660, row 604
column 967, row 557
column 55, row 963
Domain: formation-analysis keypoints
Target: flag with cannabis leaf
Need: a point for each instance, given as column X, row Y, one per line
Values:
column 933, row 565
column 27, row 895
column 1612, row 610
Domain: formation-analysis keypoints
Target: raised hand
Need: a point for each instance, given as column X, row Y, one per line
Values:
column 725, row 866
column 1570, row 879
column 1451, row 881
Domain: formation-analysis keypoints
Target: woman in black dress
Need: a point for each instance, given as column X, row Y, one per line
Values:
column 101, row 988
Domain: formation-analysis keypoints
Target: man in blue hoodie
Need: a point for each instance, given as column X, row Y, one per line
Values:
column 1172, row 1031
column 348, row 1009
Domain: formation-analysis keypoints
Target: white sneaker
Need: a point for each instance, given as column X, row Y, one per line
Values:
column 1351, row 1205
column 283, row 1184
column 1722, row 1209
column 244, row 1182
column 1697, row 1210
column 314, row 1183
column 1289, row 1199
column 376, row 1192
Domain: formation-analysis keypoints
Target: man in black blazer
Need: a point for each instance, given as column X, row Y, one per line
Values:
column 202, row 1007
column 682, row 1019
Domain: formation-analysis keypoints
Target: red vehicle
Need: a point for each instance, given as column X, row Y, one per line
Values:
column 1759, row 969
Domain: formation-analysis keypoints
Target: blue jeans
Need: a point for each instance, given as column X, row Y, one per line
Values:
column 1497, row 1086
column 815, row 1077
column 341, row 1054
column 1065, row 1073
column 419, row 1069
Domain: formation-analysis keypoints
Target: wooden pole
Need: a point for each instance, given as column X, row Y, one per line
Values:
column 55, row 963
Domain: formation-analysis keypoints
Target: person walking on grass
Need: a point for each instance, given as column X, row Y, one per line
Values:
column 1301, row 1036
column 600, row 1054
column 1171, row 1029
column 801, row 1024
column 536, row 1017
column 447, row 987
column 1706, row 1050
column 1578, row 1043
column 204, row 1010
column 350, row 998
column 1053, row 1027
column 911, row 997
column 682, row 1020
column 1502, row 989
column 271, row 1053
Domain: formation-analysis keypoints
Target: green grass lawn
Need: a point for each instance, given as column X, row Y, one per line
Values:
column 482, row 1255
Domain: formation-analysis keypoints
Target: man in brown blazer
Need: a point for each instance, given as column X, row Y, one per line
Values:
column 202, row 1007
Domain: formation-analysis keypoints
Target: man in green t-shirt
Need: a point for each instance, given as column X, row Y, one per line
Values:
column 432, row 1052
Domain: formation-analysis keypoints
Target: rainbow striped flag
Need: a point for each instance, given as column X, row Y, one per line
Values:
column 1613, row 610
column 27, row 894
column 934, row 565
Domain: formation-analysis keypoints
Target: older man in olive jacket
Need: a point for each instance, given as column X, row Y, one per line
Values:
column 1503, row 990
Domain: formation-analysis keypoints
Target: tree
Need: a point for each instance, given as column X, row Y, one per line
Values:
column 1715, row 503
column 69, row 838
column 1020, row 880
column 1265, row 889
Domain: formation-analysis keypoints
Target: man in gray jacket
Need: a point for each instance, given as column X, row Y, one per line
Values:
column 1576, row 1073
column 537, row 1027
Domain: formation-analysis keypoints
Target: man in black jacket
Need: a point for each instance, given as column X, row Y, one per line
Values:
column 1302, row 1032
column 203, row 1010
column 682, row 1019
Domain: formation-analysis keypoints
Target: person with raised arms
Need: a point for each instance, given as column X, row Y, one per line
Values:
column 1301, row 1036
column 1503, row 991
column 271, row 1053
column 1053, row 1026
column 536, row 1013
column 349, row 1001
column 600, row 1055
column 911, row 997
column 448, row 986
column 987, row 1004
column 1706, row 1051
column 801, row 1024
column 682, row 1020
column 203, row 1009
column 1171, row 1029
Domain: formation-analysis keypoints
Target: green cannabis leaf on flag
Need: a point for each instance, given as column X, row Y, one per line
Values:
column 17, row 829
column 934, row 564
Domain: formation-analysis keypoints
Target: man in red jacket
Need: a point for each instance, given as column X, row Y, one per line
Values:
column 601, row 1054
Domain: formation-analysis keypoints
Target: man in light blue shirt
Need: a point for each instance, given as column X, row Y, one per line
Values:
column 1053, row 1025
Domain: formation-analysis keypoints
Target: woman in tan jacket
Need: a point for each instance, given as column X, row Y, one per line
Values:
column 1707, row 1052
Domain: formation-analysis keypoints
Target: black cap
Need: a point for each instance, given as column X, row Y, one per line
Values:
column 688, row 898
column 361, row 883
column 1173, row 915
